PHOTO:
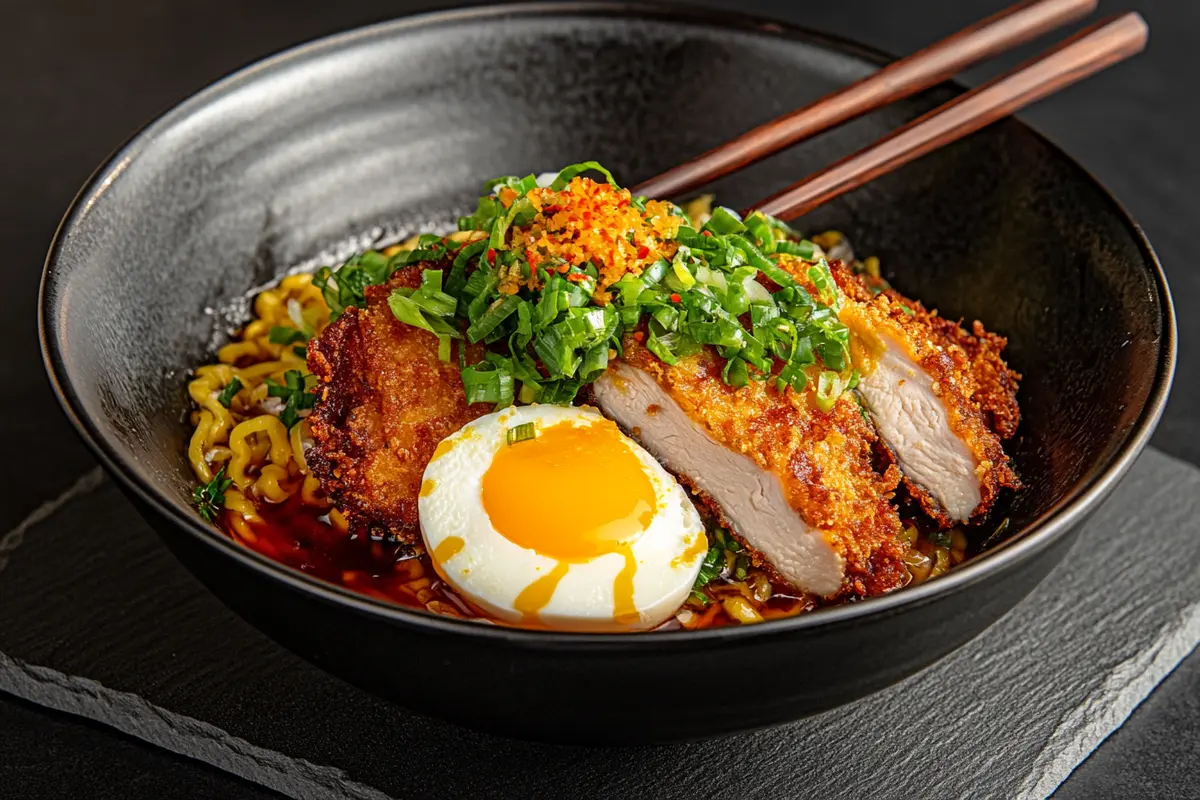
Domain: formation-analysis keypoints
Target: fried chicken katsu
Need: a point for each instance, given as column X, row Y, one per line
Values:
column 941, row 399
column 384, row 401
column 831, row 432
column 794, row 483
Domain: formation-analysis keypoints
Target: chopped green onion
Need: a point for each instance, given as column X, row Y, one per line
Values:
column 296, row 391
column 489, row 381
column 724, row 221
column 522, row 432
column 281, row 334
column 595, row 362
column 680, row 270
column 496, row 313
column 231, row 389
column 708, row 295
column 735, row 373
column 761, row 230
column 406, row 309
column 829, row 388
column 822, row 279
column 567, row 173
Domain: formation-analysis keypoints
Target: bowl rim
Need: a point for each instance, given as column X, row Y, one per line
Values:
column 1026, row 543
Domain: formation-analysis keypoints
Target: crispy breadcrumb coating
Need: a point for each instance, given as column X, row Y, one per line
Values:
column 822, row 459
column 384, row 403
column 970, row 377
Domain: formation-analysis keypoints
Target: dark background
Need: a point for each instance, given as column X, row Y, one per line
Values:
column 77, row 78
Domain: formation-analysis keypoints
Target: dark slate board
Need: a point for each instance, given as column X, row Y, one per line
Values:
column 52, row 756
column 97, row 619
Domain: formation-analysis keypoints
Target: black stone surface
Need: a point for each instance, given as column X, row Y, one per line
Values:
column 48, row 755
column 76, row 78
column 1015, row 718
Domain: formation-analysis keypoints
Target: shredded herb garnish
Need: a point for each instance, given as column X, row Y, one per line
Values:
column 281, row 334
column 725, row 558
column 231, row 389
column 296, row 389
column 210, row 497
column 522, row 432
column 558, row 275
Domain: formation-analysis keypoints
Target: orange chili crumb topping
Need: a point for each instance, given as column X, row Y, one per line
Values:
column 596, row 222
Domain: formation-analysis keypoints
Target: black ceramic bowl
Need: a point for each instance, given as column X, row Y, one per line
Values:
column 391, row 129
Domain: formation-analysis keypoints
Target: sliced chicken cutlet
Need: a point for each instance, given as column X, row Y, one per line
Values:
column 942, row 399
column 794, row 483
column 384, row 402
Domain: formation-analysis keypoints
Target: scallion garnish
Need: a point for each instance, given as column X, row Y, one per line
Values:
column 297, row 394
column 231, row 389
column 521, row 433
column 281, row 334
column 550, row 313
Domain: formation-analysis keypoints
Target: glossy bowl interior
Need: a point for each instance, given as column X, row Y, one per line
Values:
column 389, row 130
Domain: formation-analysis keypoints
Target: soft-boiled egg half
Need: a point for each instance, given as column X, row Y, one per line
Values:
column 575, row 528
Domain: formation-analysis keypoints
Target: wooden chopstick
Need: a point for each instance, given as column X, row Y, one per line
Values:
column 1084, row 54
column 1013, row 26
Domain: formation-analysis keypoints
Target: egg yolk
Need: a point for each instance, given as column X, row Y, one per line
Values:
column 572, row 493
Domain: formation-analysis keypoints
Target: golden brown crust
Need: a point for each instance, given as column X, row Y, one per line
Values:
column 823, row 460
column 976, row 386
column 383, row 403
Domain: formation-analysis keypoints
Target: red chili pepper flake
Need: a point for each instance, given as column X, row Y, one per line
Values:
column 551, row 210
column 577, row 277
column 643, row 251
column 491, row 257
column 624, row 201
column 706, row 233
column 675, row 298
column 638, row 336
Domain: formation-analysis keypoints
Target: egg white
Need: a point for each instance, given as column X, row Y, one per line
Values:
column 491, row 571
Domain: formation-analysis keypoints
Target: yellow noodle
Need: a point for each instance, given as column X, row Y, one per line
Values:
column 272, row 484
column 235, row 351
column 269, row 349
column 296, row 282
column 198, row 447
column 260, row 446
column 257, row 372
column 204, row 391
column 269, row 305
column 338, row 520
column 258, row 452
column 257, row 329
column 221, row 374
column 243, row 456
column 241, row 506
column 242, row 529
column 310, row 491
column 296, row 438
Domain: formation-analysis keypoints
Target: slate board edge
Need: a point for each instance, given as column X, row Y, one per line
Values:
column 137, row 717
column 1077, row 735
